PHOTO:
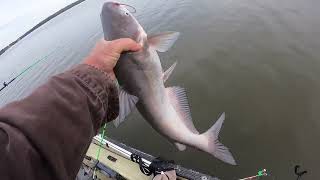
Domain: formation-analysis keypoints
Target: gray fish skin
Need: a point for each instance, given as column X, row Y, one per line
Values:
column 140, row 74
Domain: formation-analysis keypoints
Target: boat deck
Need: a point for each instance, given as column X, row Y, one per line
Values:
column 130, row 170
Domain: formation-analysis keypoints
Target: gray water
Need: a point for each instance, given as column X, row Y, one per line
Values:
column 257, row 60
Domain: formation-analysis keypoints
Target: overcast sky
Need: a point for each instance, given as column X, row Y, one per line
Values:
column 18, row 16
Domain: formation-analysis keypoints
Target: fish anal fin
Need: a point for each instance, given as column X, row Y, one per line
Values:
column 168, row 72
column 127, row 103
column 180, row 147
column 179, row 101
column 162, row 42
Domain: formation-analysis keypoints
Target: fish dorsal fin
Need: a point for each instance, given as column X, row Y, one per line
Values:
column 168, row 72
column 127, row 103
column 179, row 100
column 162, row 42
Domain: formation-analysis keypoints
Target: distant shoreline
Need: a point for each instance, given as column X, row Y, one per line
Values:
column 40, row 24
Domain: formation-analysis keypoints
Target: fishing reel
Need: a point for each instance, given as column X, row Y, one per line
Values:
column 159, row 166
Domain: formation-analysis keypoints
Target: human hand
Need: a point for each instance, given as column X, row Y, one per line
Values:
column 105, row 54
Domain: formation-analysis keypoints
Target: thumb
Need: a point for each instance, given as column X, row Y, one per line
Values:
column 125, row 44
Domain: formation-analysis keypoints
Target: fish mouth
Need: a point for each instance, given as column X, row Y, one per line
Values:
column 115, row 4
column 130, row 8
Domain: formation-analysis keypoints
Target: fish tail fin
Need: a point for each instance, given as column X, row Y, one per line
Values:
column 216, row 148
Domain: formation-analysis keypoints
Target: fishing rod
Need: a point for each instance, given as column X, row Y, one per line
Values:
column 261, row 173
column 6, row 84
column 40, row 24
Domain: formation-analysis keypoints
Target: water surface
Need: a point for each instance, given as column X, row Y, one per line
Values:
column 258, row 61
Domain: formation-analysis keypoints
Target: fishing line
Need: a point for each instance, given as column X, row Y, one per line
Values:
column 40, row 24
column 100, row 146
column 261, row 173
column 130, row 7
column 6, row 84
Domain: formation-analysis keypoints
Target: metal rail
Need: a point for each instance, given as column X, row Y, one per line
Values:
column 123, row 152
column 126, row 151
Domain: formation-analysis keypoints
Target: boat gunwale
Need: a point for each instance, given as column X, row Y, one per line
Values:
column 180, row 170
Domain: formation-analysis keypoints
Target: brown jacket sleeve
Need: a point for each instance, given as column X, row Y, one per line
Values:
column 46, row 135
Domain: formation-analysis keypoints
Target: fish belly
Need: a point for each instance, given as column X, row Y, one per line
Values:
column 163, row 117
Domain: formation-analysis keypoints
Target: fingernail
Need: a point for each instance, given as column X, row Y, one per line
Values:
column 137, row 47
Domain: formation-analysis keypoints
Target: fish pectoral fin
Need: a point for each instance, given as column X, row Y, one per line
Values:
column 180, row 147
column 179, row 101
column 162, row 42
column 127, row 103
column 168, row 72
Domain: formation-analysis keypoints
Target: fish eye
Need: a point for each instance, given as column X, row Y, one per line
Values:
column 127, row 14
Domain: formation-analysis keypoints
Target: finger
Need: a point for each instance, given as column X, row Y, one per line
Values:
column 125, row 44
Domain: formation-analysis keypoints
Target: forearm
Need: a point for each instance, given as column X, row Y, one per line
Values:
column 46, row 135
